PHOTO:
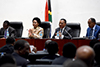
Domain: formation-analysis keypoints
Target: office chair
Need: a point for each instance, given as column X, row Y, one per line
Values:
column 18, row 26
column 44, row 65
column 75, row 29
column 98, row 23
column 47, row 28
column 32, row 57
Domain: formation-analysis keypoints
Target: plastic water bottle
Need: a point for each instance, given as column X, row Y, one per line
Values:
column 7, row 34
column 58, row 33
column 40, row 33
column 2, row 54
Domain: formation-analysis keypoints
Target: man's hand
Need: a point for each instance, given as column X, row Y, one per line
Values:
column 60, row 34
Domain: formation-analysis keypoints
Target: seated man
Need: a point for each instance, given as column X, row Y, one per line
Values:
column 8, row 48
column 7, row 61
column 86, row 54
column 93, row 30
column 63, row 31
column 6, row 27
column 44, row 51
column 52, row 49
column 69, row 51
column 21, row 52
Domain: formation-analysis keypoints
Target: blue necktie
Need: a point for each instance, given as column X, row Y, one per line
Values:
column 91, row 31
column 61, row 30
column 5, row 34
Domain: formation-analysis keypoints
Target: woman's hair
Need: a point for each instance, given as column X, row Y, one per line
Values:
column 37, row 19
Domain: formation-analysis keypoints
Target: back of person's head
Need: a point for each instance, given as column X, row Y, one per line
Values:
column 7, row 59
column 10, row 40
column 76, row 63
column 97, row 52
column 22, row 48
column 20, row 44
column 93, row 42
column 86, row 54
column 69, row 50
column 52, row 48
column 47, row 42
column 6, row 22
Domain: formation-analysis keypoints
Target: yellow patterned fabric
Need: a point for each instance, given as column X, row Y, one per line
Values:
column 35, row 33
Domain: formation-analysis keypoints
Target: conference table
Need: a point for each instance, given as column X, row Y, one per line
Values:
column 39, row 43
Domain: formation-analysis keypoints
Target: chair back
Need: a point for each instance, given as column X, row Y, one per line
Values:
column 98, row 23
column 75, row 29
column 18, row 26
column 47, row 29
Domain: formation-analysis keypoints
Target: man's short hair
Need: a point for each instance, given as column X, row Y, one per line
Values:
column 10, row 40
column 19, row 44
column 7, row 22
column 93, row 20
column 69, row 50
column 52, row 48
column 64, row 20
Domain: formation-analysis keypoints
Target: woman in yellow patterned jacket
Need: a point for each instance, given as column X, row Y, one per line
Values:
column 36, row 32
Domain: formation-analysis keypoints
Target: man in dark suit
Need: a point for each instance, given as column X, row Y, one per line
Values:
column 8, row 48
column 63, row 31
column 97, row 54
column 52, row 49
column 86, row 54
column 69, row 51
column 94, row 30
column 21, row 52
column 6, row 26
column 44, row 51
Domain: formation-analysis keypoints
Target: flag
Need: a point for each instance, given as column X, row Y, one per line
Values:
column 48, row 13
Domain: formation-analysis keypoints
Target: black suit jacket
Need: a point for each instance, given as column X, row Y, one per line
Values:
column 59, row 61
column 20, row 60
column 11, row 30
column 8, row 48
column 66, row 35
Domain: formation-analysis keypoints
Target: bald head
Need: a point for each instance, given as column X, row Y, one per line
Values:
column 86, row 54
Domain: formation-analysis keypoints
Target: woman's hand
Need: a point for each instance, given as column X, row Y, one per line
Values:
column 30, row 32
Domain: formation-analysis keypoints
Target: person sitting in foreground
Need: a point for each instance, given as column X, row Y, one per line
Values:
column 21, row 52
column 69, row 51
column 52, row 49
column 8, row 48
column 7, row 61
column 97, row 54
column 86, row 54
column 76, row 63
column 36, row 31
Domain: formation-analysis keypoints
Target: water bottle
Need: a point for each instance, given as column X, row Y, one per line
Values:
column 57, row 33
column 7, row 34
column 40, row 33
column 2, row 54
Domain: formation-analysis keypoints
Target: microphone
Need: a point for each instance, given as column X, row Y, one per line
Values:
column 48, row 33
column 68, row 34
